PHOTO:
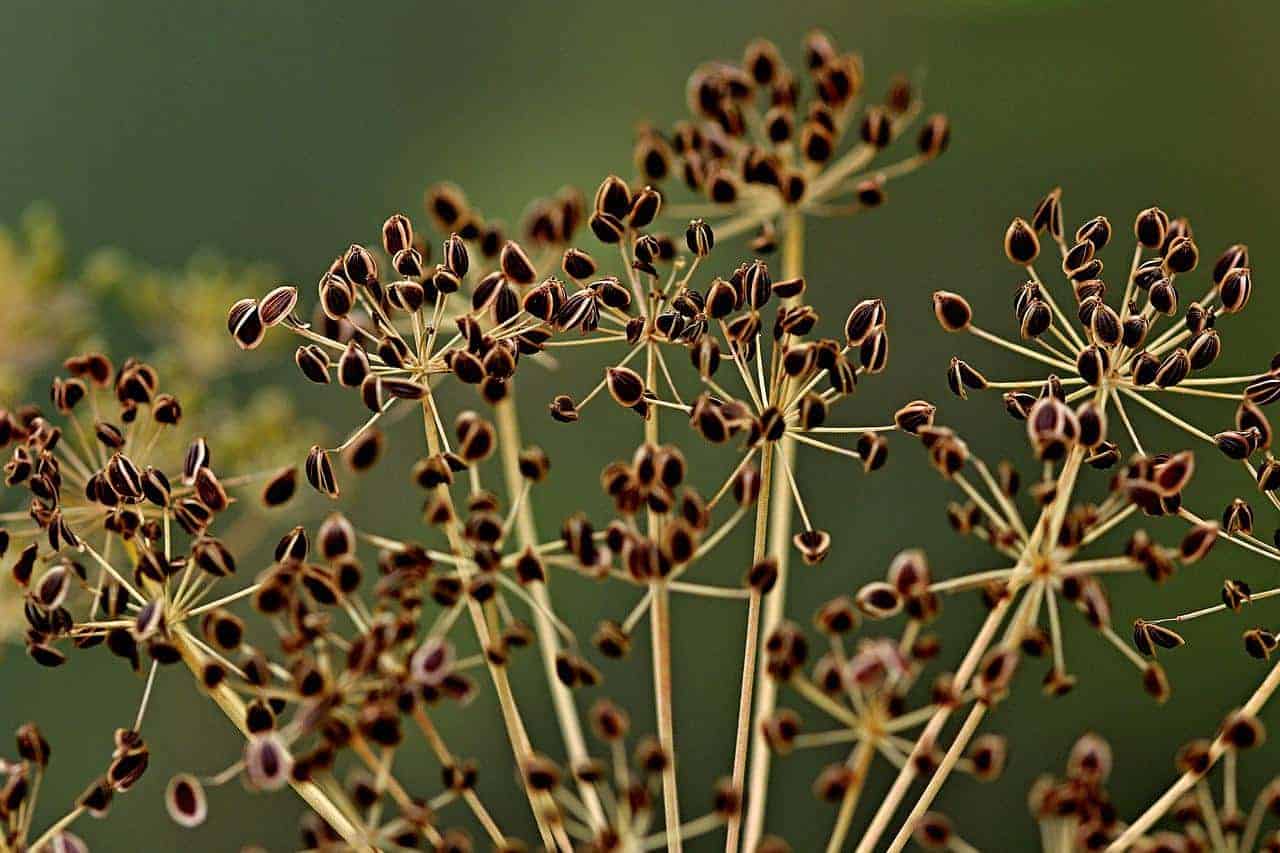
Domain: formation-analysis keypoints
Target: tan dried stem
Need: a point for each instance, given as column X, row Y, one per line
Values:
column 508, row 426
column 775, row 607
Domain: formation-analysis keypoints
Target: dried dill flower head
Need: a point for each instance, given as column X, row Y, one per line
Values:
column 870, row 691
column 1075, row 810
column 1101, row 353
column 20, row 782
column 99, row 493
column 762, row 141
column 1047, row 572
column 1109, row 355
column 760, row 373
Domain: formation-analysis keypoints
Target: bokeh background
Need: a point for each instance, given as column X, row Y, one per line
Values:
column 280, row 132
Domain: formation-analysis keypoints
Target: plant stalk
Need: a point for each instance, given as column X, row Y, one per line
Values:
column 508, row 426
column 779, row 547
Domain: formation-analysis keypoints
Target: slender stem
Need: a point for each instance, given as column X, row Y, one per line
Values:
column 775, row 607
column 976, row 713
column 508, row 427
column 660, row 636
column 741, row 739
column 1187, row 780
column 511, row 718
column 862, row 756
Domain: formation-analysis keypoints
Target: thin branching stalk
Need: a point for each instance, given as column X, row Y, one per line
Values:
column 516, row 733
column 660, row 633
column 1188, row 779
column 508, row 427
column 775, row 607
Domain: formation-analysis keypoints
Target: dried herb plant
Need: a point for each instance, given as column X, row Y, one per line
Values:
column 340, row 671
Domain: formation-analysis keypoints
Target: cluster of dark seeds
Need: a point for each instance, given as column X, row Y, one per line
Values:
column 762, row 142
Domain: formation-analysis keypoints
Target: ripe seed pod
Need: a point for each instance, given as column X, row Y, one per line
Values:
column 185, row 801
column 245, row 324
column 277, row 305
column 952, row 311
column 1150, row 227
column 319, row 471
column 1021, row 245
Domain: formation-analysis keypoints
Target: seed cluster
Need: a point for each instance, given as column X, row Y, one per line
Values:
column 349, row 644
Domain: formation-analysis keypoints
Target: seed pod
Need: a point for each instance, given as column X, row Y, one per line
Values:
column 1263, row 390
column 813, row 545
column 1238, row 517
column 934, row 137
column 313, row 361
column 1145, row 368
column 1147, row 636
column 1173, row 369
column 878, row 600
column 1092, row 363
column 1021, row 245
column 353, row 365
column 1036, row 319
column 280, row 488
column 1163, row 297
column 1150, row 227
column 245, row 324
column 1260, row 643
column 1235, row 289
column 700, row 238
column 267, row 762
column 961, row 377
column 1097, row 231
column 952, row 311
column 1198, row 541
column 914, row 415
column 1093, row 424
column 1105, row 325
column 1250, row 417
column 210, row 490
column 1181, row 255
column 625, row 386
column 337, row 297
column 277, row 305
column 1241, row 730
column 866, row 317
column 1048, row 214
column 873, row 449
column 319, row 471
column 515, row 264
column 185, row 801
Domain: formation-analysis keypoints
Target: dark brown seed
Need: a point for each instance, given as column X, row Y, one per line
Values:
column 185, row 801
column 1021, row 245
column 952, row 310
column 277, row 305
column 914, row 415
column 313, row 361
column 1235, row 289
column 281, row 487
column 878, row 600
column 1242, row 730
column 625, row 386
column 935, row 136
column 245, row 324
column 1173, row 369
column 397, row 233
column 319, row 470
column 1181, row 255
column 1150, row 227
column 700, row 238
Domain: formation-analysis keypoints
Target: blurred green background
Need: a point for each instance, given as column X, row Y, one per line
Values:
column 283, row 131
